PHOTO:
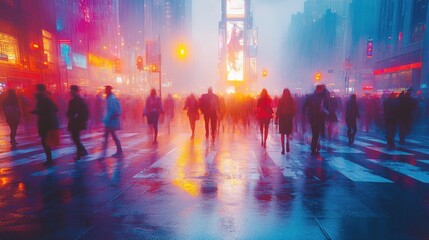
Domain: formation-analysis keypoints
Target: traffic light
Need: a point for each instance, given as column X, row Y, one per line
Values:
column 369, row 46
column 154, row 68
column 139, row 63
column 318, row 77
column 181, row 52
column 264, row 73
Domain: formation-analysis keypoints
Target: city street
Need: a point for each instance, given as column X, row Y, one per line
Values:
column 232, row 189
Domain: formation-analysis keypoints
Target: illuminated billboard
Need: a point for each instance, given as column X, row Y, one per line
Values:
column 235, row 50
column 235, row 9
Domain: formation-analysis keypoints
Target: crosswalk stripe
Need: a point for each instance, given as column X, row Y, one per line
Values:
column 355, row 172
column 390, row 152
column 419, row 150
column 406, row 169
column 373, row 139
column 164, row 163
column 356, row 142
column 285, row 166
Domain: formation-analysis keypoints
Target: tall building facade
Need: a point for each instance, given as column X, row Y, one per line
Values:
column 89, row 42
column 398, row 53
column 317, row 43
column 28, row 53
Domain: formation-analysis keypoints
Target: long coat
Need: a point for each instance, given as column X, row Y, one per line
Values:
column 46, row 111
column 77, row 114
column 113, row 112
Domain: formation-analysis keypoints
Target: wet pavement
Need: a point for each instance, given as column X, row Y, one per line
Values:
column 232, row 189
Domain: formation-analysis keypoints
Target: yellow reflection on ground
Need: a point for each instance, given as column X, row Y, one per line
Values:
column 189, row 164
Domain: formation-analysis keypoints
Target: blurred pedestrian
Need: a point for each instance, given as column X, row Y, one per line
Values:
column 111, row 121
column 316, row 109
column 352, row 113
column 390, row 107
column 169, row 111
column 152, row 110
column 406, row 107
column 332, row 117
column 47, row 121
column 191, row 105
column 285, row 113
column 12, row 113
column 210, row 107
column 77, row 115
column 264, row 114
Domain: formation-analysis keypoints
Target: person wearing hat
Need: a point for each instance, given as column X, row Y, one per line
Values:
column 77, row 114
column 47, row 120
column 111, row 120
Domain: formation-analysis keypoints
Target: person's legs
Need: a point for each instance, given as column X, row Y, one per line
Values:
column 282, row 138
column 266, row 125
column 46, row 148
column 213, row 126
column 117, row 142
column 349, row 132
column 353, row 131
column 192, row 123
column 13, row 129
column 261, row 130
column 287, row 142
column 315, row 131
column 206, row 124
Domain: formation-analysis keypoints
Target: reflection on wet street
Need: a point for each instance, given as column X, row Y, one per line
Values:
column 230, row 189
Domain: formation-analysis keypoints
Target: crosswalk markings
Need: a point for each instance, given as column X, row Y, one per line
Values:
column 355, row 172
column 356, row 142
column 390, row 152
column 420, row 150
column 405, row 168
column 373, row 139
column 163, row 163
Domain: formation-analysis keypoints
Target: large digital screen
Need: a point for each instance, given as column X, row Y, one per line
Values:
column 235, row 9
column 65, row 56
column 235, row 50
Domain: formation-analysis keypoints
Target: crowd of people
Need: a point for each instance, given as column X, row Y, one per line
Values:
column 323, row 111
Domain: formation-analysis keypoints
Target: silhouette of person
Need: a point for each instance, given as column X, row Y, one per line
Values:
column 209, row 105
column 12, row 113
column 77, row 115
column 285, row 113
column 111, row 121
column 191, row 105
column 264, row 113
column 152, row 110
column 352, row 113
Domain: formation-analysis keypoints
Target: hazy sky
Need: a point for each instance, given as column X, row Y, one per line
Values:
column 271, row 17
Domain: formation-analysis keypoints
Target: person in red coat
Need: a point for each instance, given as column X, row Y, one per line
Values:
column 264, row 113
column 285, row 113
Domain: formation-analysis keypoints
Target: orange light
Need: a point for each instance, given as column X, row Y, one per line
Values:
column 35, row 45
column 318, row 77
column 264, row 73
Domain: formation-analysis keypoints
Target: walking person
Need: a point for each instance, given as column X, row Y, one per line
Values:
column 352, row 113
column 77, row 115
column 406, row 107
column 191, row 105
column 111, row 121
column 264, row 113
column 152, row 110
column 285, row 113
column 390, row 107
column 332, row 117
column 209, row 105
column 12, row 113
column 47, row 121
column 315, row 107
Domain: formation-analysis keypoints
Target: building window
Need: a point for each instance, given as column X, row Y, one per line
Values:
column 9, row 47
column 47, row 45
